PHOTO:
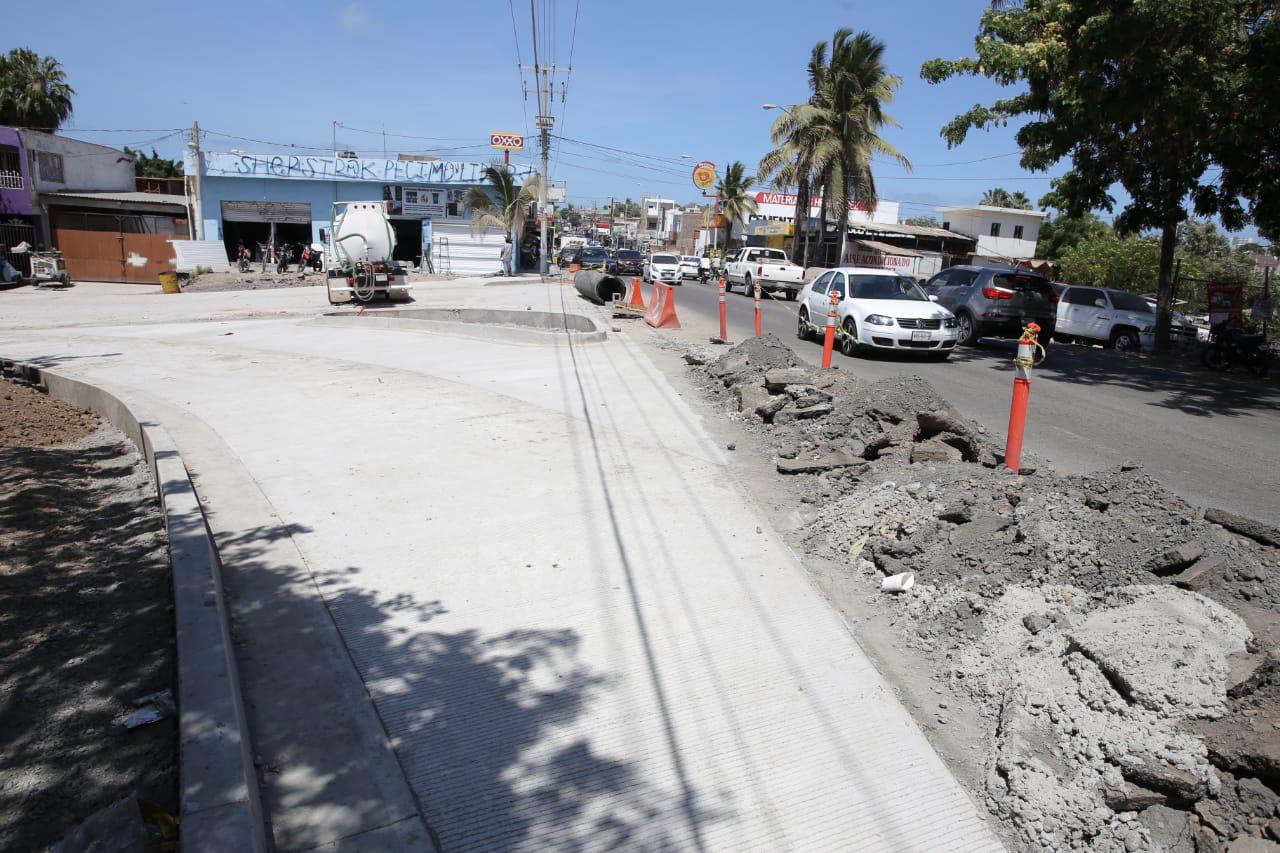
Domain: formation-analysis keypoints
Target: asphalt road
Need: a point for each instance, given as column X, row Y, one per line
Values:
column 1213, row 439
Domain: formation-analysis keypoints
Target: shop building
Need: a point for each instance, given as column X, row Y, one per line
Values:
column 287, row 198
column 81, row 198
column 1004, row 235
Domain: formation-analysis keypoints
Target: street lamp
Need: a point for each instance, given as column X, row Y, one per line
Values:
column 798, row 225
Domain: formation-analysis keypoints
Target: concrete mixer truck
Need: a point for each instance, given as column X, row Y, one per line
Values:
column 359, row 255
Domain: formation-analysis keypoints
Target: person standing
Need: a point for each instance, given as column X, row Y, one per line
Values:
column 506, row 257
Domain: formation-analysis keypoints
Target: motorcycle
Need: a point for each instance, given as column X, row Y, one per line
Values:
column 283, row 254
column 242, row 260
column 1231, row 346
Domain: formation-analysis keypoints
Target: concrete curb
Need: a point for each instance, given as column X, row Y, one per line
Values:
column 535, row 327
column 220, row 804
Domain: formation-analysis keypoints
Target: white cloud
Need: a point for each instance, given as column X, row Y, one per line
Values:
column 353, row 17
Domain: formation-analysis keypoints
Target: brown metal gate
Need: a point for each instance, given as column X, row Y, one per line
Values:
column 115, row 247
column 102, row 256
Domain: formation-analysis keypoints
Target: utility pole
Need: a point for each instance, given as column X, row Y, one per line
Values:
column 199, row 179
column 334, row 128
column 546, row 121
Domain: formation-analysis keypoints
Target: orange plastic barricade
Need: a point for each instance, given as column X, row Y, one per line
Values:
column 662, row 310
column 635, row 298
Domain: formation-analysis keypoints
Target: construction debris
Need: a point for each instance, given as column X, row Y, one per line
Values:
column 1108, row 635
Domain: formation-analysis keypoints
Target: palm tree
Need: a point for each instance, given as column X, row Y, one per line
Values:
column 791, row 162
column 736, row 201
column 33, row 91
column 849, row 96
column 506, row 207
column 1000, row 197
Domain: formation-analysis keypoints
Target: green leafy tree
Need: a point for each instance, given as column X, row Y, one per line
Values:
column 33, row 91
column 736, row 200
column 1132, row 94
column 1200, row 238
column 1000, row 197
column 829, row 141
column 154, row 166
column 1107, row 259
column 1060, row 233
column 503, row 204
column 926, row 221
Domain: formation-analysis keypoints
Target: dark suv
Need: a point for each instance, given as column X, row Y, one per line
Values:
column 995, row 302
column 626, row 262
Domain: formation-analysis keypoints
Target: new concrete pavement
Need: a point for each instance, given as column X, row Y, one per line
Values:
column 1211, row 438
column 505, row 595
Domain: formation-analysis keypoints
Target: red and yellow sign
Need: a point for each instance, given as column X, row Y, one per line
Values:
column 704, row 175
column 506, row 141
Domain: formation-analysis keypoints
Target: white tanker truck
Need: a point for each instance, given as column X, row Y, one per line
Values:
column 359, row 263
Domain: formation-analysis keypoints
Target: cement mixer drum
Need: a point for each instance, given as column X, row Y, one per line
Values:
column 362, row 232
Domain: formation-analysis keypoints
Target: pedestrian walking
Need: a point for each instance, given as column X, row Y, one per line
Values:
column 506, row 257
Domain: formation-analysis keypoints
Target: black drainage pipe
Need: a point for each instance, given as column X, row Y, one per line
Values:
column 599, row 287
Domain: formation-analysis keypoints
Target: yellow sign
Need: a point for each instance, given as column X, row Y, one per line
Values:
column 704, row 175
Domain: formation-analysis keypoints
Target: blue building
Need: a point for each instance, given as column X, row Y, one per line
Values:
column 289, row 198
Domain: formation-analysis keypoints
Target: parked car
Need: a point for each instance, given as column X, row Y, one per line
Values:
column 878, row 309
column 1115, row 318
column 664, row 268
column 689, row 266
column 1182, row 328
column 592, row 258
column 626, row 262
column 767, row 267
column 996, row 302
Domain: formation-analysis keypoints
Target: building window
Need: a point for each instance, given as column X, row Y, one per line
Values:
column 995, row 229
column 1017, row 232
column 50, row 166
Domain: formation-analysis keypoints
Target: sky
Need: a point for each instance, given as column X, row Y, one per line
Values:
column 665, row 80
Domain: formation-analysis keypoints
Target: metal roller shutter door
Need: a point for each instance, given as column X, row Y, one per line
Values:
column 296, row 213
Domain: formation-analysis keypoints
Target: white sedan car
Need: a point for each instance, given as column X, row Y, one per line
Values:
column 689, row 265
column 878, row 309
column 664, row 268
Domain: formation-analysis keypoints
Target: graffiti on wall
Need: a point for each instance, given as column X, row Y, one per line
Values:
column 300, row 167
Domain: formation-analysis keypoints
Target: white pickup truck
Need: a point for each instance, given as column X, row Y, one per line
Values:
column 767, row 267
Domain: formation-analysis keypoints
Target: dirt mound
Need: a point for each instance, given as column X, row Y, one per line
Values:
column 29, row 418
column 1121, row 647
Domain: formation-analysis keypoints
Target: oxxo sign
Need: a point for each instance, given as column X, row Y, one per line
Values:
column 506, row 141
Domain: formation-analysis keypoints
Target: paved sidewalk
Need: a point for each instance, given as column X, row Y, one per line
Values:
column 576, row 630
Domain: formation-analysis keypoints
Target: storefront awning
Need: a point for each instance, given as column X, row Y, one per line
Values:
column 886, row 249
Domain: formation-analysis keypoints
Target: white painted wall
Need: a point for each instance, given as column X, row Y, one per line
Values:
column 976, row 222
column 85, row 166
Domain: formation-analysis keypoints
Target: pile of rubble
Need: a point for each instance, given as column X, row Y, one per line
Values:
column 1119, row 643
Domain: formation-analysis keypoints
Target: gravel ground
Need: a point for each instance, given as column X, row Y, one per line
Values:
column 86, row 625
column 1106, row 652
column 271, row 280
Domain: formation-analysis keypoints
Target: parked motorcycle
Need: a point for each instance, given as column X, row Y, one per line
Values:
column 1231, row 346
column 283, row 255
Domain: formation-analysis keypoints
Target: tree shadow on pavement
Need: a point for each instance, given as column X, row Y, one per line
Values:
column 1192, row 392
column 480, row 724
column 86, row 628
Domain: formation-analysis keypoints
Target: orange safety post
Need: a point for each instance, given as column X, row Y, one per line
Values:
column 662, row 308
column 757, row 309
column 1022, row 365
column 829, row 342
column 637, row 298
column 724, row 332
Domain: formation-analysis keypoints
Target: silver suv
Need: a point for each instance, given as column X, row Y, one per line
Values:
column 995, row 302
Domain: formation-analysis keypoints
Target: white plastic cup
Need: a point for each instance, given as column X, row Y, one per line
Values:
column 898, row 583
